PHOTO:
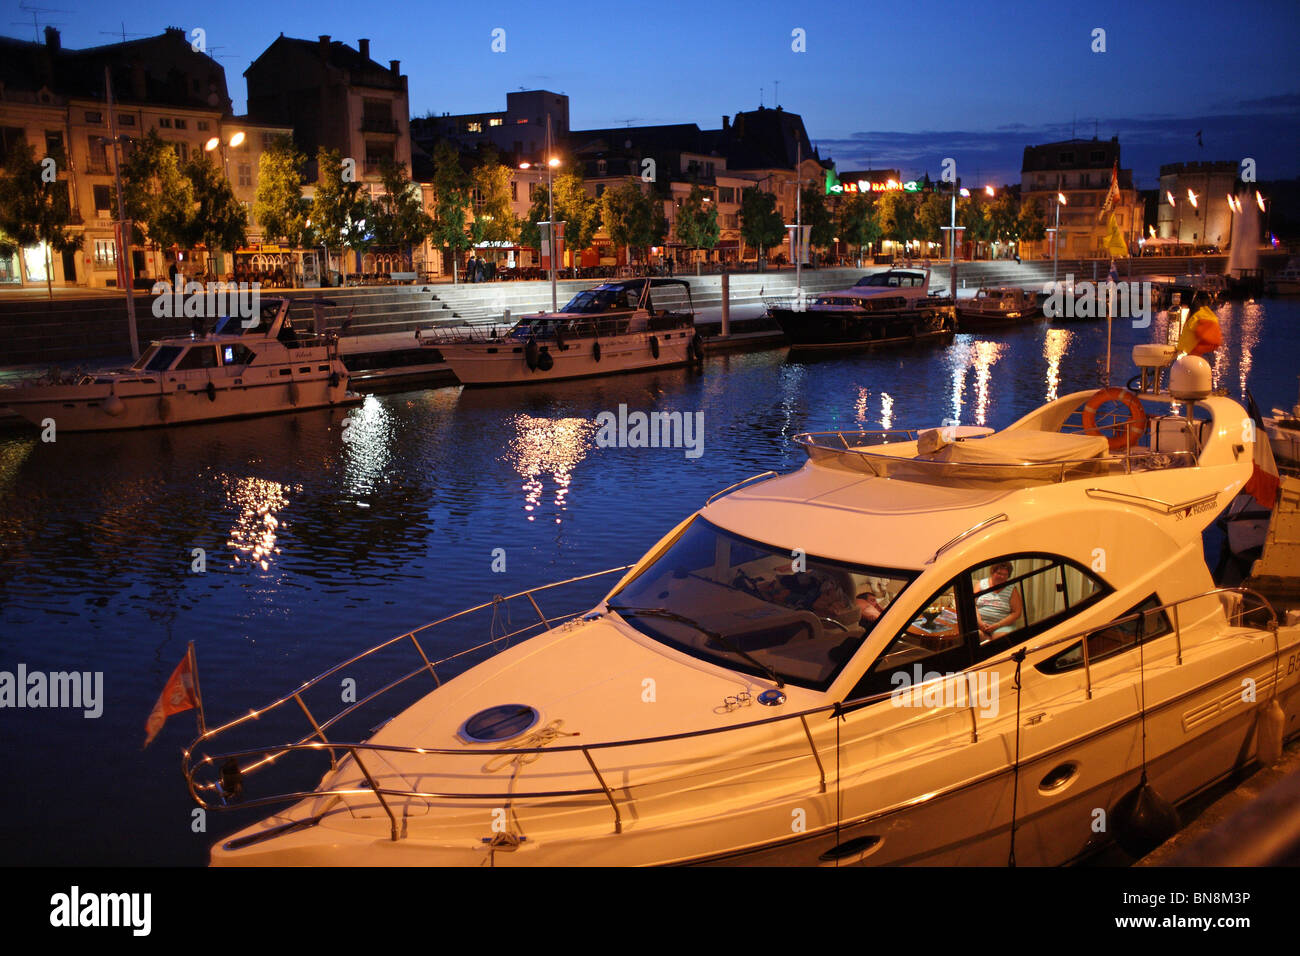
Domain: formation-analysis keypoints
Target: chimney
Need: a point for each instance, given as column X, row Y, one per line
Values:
column 52, row 39
column 324, row 46
column 364, row 47
column 395, row 67
column 726, row 122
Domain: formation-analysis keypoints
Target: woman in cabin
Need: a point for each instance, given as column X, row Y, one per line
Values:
column 998, row 604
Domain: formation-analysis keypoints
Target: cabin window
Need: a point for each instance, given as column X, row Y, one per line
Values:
column 1018, row 596
column 163, row 358
column 931, row 643
column 1115, row 638
column 236, row 355
column 199, row 356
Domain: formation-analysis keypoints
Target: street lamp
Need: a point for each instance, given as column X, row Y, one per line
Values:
column 236, row 139
column 1056, row 234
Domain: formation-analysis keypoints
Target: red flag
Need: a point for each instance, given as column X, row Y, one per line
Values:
column 1264, row 480
column 180, row 694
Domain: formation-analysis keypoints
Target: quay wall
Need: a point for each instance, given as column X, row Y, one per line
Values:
column 70, row 330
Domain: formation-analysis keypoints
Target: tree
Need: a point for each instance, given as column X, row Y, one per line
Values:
column 932, row 216
column 1002, row 214
column 34, row 208
column 859, row 223
column 218, row 220
column 341, row 209
column 814, row 213
column 1031, row 226
column 897, row 215
column 451, row 192
column 697, row 222
column 399, row 218
column 494, row 220
column 761, row 224
column 279, row 206
column 632, row 218
column 530, row 234
column 159, row 198
column 580, row 214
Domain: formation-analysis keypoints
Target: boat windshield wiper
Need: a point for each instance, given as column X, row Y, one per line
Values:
column 712, row 635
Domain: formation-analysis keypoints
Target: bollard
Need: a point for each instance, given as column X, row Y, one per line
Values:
column 726, row 304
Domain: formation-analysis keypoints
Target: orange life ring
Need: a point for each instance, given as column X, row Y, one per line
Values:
column 1133, row 429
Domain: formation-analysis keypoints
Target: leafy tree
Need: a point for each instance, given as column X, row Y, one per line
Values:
column 218, row 220
column 697, row 222
column 279, row 206
column 1002, row 213
column 451, row 192
column 897, row 215
column 494, row 220
column 972, row 213
column 761, row 224
column 859, row 224
column 342, row 209
column 632, row 218
column 159, row 198
column 530, row 234
column 815, row 213
column 1031, row 225
column 933, row 214
column 34, row 209
column 398, row 215
column 580, row 214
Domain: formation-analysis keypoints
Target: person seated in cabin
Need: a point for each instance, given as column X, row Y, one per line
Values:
column 998, row 604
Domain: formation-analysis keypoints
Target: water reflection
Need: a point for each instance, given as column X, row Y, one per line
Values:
column 1055, row 344
column 368, row 435
column 253, row 535
column 886, row 411
column 545, row 447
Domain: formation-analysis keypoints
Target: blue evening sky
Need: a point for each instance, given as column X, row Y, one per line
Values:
column 892, row 85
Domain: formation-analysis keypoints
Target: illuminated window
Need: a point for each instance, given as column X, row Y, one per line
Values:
column 495, row 121
column 474, row 126
column 105, row 254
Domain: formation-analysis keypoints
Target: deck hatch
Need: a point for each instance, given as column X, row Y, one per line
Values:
column 503, row 722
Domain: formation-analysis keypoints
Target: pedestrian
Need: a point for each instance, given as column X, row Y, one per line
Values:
column 478, row 270
column 469, row 268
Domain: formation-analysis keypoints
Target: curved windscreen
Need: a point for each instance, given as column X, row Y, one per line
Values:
column 756, row 608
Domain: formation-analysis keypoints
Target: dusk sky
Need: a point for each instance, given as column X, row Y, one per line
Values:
column 977, row 82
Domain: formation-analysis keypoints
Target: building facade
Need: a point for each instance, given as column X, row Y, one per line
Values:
column 1206, row 220
column 1079, row 169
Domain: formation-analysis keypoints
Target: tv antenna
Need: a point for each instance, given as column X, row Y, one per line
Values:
column 36, row 28
column 776, row 95
column 113, row 33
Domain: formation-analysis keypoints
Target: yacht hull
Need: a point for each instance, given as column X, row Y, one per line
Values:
column 504, row 363
column 839, row 329
column 86, row 408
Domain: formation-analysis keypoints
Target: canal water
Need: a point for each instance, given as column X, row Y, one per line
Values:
column 320, row 538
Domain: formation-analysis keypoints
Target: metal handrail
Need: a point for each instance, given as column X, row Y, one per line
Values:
column 966, row 534
column 573, row 329
column 1155, row 504
column 835, row 710
column 761, row 476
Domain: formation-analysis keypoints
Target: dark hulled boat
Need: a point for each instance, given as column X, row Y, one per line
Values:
column 891, row 308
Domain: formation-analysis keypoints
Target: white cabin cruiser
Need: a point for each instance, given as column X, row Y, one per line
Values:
column 232, row 372
column 622, row 326
column 929, row 647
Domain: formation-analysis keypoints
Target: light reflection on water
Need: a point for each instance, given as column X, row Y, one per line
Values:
column 97, row 531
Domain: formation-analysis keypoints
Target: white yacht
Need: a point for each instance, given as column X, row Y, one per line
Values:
column 621, row 326
column 232, row 372
column 1287, row 281
column 1283, row 430
column 921, row 647
column 891, row 308
column 997, row 307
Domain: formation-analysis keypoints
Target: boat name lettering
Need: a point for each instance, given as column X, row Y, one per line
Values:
column 1206, row 505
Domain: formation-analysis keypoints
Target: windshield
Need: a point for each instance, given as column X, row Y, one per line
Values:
column 595, row 301
column 756, row 608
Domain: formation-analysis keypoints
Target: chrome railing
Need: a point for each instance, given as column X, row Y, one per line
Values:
column 226, row 783
column 496, row 333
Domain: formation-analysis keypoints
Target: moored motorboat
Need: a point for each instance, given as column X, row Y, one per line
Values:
column 919, row 647
column 1283, row 429
column 886, row 309
column 242, row 368
column 998, row 307
column 622, row 326
column 1287, row 281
